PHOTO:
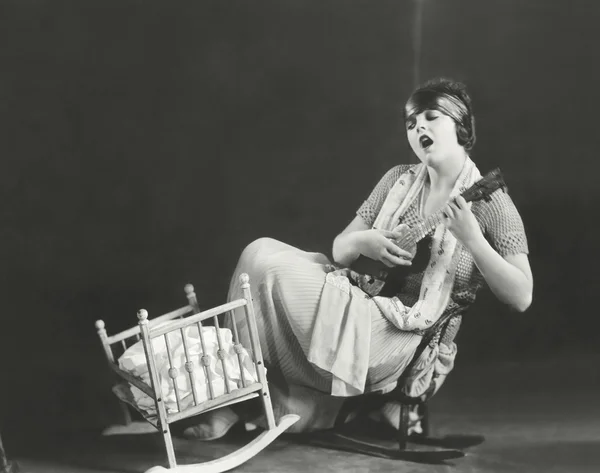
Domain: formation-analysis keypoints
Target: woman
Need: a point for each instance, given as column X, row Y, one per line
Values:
column 327, row 332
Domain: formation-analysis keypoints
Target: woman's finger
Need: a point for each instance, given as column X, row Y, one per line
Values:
column 392, row 260
column 453, row 205
column 395, row 250
column 388, row 263
column 461, row 203
column 386, row 233
column 391, row 235
column 448, row 211
column 401, row 228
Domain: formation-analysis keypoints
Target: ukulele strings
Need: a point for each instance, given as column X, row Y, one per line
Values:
column 413, row 233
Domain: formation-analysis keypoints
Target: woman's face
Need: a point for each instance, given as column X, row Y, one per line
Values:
column 432, row 136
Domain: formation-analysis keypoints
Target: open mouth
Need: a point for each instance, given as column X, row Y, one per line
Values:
column 425, row 141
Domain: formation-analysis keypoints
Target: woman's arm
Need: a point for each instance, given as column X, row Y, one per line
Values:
column 345, row 245
column 509, row 277
column 359, row 239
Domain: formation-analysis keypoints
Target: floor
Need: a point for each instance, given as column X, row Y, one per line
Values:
column 539, row 416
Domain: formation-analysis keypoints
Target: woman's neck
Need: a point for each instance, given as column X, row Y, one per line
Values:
column 442, row 177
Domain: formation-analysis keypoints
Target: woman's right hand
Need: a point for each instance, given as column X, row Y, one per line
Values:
column 379, row 245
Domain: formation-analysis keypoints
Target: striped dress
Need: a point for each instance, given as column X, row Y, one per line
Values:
column 287, row 284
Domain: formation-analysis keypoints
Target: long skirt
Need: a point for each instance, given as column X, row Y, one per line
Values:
column 286, row 285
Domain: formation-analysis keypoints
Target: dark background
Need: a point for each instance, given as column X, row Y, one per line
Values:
column 144, row 144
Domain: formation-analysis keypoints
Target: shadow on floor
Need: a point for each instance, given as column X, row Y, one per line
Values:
column 539, row 416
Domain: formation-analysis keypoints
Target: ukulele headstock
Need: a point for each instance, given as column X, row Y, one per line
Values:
column 485, row 187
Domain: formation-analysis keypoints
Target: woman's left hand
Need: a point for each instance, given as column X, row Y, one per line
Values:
column 459, row 219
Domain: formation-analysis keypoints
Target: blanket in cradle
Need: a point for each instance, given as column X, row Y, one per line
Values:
column 134, row 362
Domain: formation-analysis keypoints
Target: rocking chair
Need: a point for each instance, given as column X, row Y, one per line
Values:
column 195, row 367
column 362, row 435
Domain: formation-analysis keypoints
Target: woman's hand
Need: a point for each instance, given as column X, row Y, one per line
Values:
column 358, row 238
column 508, row 277
column 459, row 219
column 378, row 245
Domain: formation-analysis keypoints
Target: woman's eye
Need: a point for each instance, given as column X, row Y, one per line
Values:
column 410, row 125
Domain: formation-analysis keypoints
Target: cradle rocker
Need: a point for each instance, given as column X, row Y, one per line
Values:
column 194, row 389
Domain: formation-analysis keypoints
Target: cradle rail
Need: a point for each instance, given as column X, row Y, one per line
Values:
column 166, row 325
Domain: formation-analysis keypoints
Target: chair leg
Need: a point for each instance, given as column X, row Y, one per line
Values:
column 423, row 410
column 403, row 426
column 126, row 413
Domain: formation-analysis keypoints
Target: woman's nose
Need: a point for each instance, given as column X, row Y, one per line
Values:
column 419, row 123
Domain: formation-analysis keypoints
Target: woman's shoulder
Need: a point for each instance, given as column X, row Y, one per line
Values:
column 371, row 207
column 402, row 168
column 497, row 204
column 502, row 223
column 395, row 172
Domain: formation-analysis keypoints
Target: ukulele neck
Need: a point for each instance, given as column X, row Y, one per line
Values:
column 419, row 231
column 481, row 189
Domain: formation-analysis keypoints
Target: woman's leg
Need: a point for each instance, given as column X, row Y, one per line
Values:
column 286, row 285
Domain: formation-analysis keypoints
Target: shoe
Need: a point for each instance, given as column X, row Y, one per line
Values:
column 213, row 425
column 390, row 413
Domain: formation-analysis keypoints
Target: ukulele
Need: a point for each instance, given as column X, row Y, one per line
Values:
column 416, row 241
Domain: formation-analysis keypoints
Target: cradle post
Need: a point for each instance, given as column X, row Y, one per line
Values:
column 156, row 386
column 101, row 328
column 258, row 358
column 191, row 297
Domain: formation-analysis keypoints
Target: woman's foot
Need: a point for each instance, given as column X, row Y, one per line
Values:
column 213, row 425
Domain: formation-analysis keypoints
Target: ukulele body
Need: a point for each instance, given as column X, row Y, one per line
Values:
column 394, row 277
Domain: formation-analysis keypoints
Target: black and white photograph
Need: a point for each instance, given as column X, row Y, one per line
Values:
column 299, row 235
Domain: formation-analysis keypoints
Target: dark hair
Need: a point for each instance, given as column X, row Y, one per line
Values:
column 449, row 97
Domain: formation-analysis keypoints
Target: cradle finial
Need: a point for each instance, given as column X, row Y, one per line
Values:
column 189, row 289
column 142, row 315
column 100, row 324
column 244, row 279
